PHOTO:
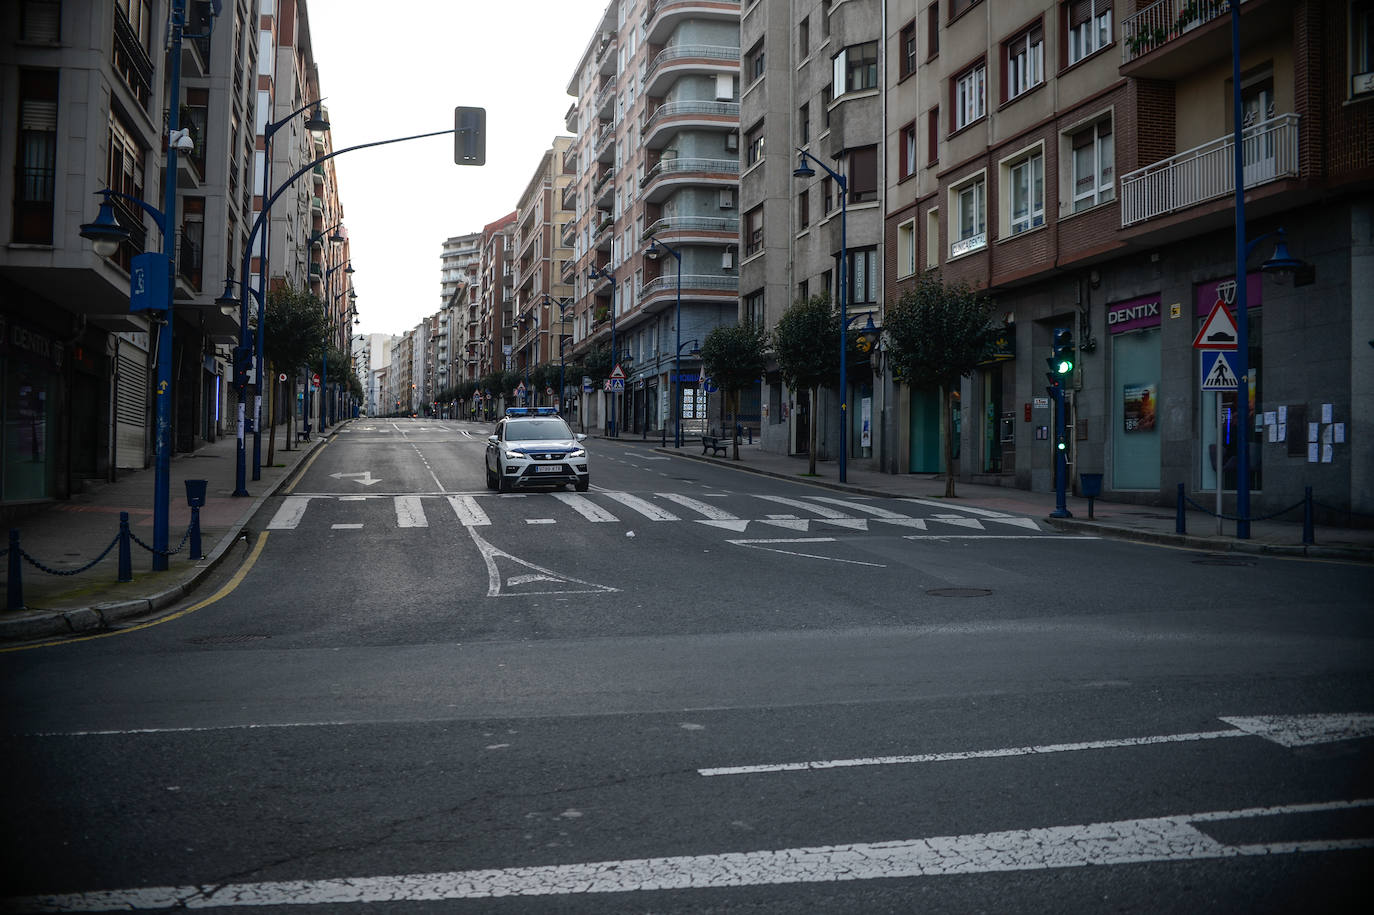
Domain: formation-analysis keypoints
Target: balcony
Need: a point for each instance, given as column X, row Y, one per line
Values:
column 663, row 16
column 605, row 99
column 669, row 174
column 601, row 238
column 1170, row 38
column 570, row 118
column 605, row 145
column 679, row 60
column 695, row 230
column 1207, row 172
column 660, row 124
column 605, row 60
column 661, row 291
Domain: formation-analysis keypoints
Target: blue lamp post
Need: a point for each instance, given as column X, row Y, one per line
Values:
column 563, row 305
column 609, row 275
column 152, row 279
column 805, row 171
column 654, row 246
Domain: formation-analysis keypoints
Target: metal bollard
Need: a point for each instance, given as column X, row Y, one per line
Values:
column 195, row 533
column 1180, row 525
column 126, row 561
column 1307, row 535
column 14, row 590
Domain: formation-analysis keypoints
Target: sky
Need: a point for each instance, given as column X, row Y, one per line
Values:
column 395, row 71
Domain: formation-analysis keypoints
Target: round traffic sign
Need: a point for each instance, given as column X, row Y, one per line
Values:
column 281, row 377
column 315, row 378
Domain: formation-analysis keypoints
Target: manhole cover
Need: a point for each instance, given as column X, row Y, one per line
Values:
column 227, row 639
column 959, row 592
column 1222, row 561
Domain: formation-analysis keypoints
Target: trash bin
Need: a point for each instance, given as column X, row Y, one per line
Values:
column 195, row 493
column 1090, row 484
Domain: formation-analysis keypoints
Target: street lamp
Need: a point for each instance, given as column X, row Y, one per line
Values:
column 609, row 275
column 156, row 274
column 563, row 305
column 652, row 253
column 805, row 171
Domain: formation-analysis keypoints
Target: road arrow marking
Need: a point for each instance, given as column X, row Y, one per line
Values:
column 1286, row 730
column 1122, row 842
column 364, row 478
column 491, row 554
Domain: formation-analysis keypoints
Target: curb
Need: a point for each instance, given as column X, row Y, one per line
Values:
column 101, row 617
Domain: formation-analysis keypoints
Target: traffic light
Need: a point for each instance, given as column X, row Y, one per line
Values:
column 243, row 361
column 470, row 136
column 1063, row 354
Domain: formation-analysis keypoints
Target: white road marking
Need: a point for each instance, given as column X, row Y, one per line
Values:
column 821, row 510
column 345, row 527
column 793, row 524
column 410, row 512
column 882, row 514
column 1017, row 522
column 585, row 507
column 710, row 512
column 962, row 522
column 469, row 513
column 643, row 506
column 289, row 515
column 490, row 556
column 761, row 545
column 1286, row 730
column 1041, row 537
column 1122, row 842
column 980, row 512
column 540, row 521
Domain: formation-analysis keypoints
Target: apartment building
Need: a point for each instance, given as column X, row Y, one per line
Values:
column 540, row 293
column 1076, row 161
column 491, row 319
column 85, row 88
column 656, row 120
column 812, row 82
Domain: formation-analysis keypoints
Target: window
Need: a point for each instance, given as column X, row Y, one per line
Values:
column 827, row 96
column 1089, row 27
column 856, row 68
column 1025, row 62
column 933, row 136
column 861, row 276
column 906, row 248
column 906, row 152
column 932, row 31
column 756, row 62
column 932, row 255
column 863, row 174
column 825, row 18
column 803, row 290
column 753, row 150
column 36, row 165
column 958, row 7
column 753, row 231
column 906, row 43
column 1093, row 164
column 969, row 225
column 753, row 307
column 40, row 21
column 1362, row 47
column 804, row 124
column 969, row 91
column 1023, row 193
column 804, row 208
column 803, row 39
column 828, row 194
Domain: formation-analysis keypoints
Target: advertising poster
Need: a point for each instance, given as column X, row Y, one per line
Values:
column 1139, row 407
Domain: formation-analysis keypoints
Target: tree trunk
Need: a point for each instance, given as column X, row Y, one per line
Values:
column 811, row 434
column 948, row 403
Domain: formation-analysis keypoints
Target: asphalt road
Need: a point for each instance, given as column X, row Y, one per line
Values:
column 695, row 690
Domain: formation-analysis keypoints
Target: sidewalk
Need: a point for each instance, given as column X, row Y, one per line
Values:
column 68, row 535
column 1145, row 523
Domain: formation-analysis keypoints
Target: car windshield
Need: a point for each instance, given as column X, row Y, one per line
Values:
column 537, row 430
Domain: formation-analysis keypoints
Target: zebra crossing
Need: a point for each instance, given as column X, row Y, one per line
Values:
column 616, row 507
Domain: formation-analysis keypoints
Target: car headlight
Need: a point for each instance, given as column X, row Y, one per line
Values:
column 515, row 455
column 577, row 453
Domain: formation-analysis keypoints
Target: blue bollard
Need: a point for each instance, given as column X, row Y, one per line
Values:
column 14, row 590
column 126, row 560
column 1307, row 535
column 195, row 533
column 1180, row 525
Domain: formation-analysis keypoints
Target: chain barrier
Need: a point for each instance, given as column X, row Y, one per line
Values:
column 1207, row 511
column 158, row 552
column 77, row 571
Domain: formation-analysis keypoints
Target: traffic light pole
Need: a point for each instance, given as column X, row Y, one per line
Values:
column 1061, row 458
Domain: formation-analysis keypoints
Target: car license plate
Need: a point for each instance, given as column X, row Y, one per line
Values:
column 549, row 468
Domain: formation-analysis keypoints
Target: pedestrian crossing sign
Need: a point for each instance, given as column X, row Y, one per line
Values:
column 1217, row 373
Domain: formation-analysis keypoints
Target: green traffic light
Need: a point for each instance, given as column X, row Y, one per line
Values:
column 1063, row 366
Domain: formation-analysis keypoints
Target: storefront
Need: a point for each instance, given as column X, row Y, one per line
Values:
column 1134, row 326
column 31, row 375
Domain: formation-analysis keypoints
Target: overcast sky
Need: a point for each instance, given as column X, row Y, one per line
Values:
column 399, row 69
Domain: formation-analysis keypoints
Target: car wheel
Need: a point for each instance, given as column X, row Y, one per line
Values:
column 491, row 479
column 584, row 483
column 503, row 483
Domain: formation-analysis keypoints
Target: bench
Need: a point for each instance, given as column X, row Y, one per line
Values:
column 716, row 443
column 303, row 434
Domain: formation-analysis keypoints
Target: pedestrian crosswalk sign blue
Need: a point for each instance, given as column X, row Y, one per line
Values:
column 1217, row 372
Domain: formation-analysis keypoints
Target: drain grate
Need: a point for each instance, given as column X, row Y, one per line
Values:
column 226, row 639
column 959, row 592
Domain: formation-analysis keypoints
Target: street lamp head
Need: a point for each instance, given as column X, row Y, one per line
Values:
column 803, row 169
column 316, row 120
column 349, row 268
column 1282, row 263
column 105, row 233
column 227, row 299
column 652, row 252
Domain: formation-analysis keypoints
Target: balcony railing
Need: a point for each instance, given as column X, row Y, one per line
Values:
column 692, row 224
column 725, row 55
column 682, row 109
column 668, row 283
column 681, row 164
column 1207, row 172
column 1162, row 22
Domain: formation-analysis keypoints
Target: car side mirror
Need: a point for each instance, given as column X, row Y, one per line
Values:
column 491, row 439
column 581, row 436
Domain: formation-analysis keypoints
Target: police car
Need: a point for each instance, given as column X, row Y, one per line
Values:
column 533, row 446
